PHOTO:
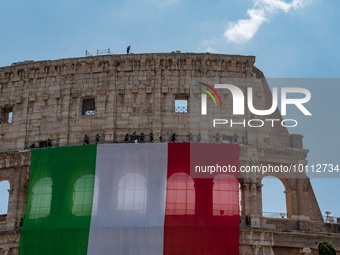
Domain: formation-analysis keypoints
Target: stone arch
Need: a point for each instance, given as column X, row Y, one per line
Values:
column 242, row 201
column 32, row 182
column 4, row 177
column 83, row 196
column 251, row 194
column 4, row 214
column 181, row 195
column 41, row 199
column 225, row 195
column 289, row 190
column 274, row 200
column 132, row 193
column 10, row 210
column 24, row 191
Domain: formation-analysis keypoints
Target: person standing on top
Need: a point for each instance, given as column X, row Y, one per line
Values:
column 128, row 49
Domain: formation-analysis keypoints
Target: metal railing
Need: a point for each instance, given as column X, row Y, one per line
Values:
column 182, row 109
column 274, row 215
column 104, row 52
column 88, row 54
column 99, row 52
column 90, row 112
column 330, row 218
column 10, row 117
column 179, row 212
column 7, row 118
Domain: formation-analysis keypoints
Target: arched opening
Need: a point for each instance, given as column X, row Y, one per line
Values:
column 273, row 198
column 226, row 195
column 4, row 196
column 180, row 199
column 41, row 198
column 132, row 193
column 83, row 195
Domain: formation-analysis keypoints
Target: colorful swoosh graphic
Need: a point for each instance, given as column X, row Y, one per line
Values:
column 208, row 86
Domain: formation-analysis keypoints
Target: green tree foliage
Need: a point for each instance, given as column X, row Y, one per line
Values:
column 326, row 248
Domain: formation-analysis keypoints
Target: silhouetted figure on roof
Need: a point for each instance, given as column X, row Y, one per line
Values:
column 235, row 137
column 128, row 49
column 247, row 221
column 126, row 139
column 86, row 140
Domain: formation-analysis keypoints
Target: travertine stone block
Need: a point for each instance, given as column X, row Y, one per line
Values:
column 165, row 90
column 98, row 70
column 31, row 98
column 259, row 94
column 115, row 113
column 109, row 136
column 74, row 94
column 195, row 91
column 226, row 92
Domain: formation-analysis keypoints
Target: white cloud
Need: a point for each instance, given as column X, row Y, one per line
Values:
column 243, row 30
column 206, row 45
column 210, row 49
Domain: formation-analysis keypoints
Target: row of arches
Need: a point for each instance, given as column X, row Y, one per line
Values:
column 82, row 197
column 132, row 195
column 181, row 195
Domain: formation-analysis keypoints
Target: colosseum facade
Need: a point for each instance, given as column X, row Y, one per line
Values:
column 112, row 95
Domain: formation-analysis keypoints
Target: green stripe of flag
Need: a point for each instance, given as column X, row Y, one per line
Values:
column 59, row 222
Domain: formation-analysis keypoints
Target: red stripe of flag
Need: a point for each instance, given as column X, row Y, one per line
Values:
column 202, row 214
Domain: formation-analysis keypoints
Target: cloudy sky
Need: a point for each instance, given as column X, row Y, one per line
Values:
column 290, row 39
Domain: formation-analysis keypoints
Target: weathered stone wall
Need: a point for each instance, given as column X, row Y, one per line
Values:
column 132, row 93
column 137, row 93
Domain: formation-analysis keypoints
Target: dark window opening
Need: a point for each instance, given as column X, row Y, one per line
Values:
column 88, row 106
column 6, row 115
column 3, row 218
column 42, row 144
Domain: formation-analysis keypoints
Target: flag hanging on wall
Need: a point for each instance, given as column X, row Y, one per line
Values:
column 133, row 199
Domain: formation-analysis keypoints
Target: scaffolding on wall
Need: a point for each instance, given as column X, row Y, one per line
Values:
column 99, row 52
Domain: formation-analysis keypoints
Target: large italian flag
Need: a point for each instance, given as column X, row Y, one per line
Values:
column 132, row 199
